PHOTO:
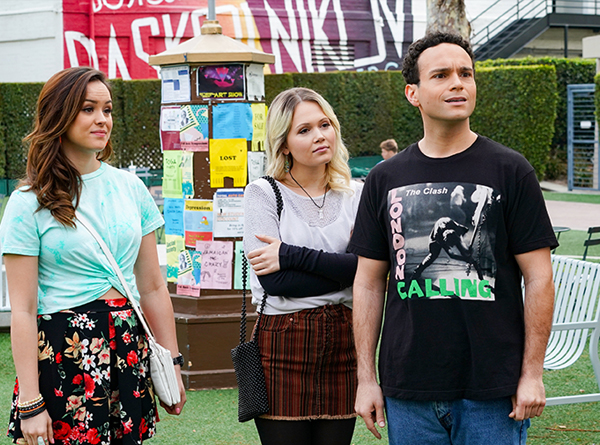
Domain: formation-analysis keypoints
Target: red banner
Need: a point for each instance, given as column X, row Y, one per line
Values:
column 117, row 36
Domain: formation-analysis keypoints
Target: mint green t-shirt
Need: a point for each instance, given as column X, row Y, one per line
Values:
column 72, row 269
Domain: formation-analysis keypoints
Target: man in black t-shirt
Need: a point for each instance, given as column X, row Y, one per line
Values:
column 456, row 221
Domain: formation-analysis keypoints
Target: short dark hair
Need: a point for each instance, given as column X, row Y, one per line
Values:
column 410, row 67
column 389, row 145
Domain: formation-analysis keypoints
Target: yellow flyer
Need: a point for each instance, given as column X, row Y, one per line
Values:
column 259, row 120
column 228, row 158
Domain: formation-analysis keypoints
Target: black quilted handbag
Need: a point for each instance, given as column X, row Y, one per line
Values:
column 249, row 373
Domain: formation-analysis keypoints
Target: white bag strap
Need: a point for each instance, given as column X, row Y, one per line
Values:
column 111, row 259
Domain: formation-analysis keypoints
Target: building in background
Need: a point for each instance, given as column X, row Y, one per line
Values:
column 40, row 37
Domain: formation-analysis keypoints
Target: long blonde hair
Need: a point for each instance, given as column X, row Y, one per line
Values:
column 279, row 123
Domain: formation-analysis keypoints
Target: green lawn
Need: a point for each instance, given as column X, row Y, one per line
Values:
column 210, row 417
column 571, row 244
column 573, row 197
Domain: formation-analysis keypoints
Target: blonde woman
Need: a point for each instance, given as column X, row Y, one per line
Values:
column 300, row 260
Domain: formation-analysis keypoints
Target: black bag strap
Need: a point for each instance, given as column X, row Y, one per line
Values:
column 277, row 194
column 279, row 200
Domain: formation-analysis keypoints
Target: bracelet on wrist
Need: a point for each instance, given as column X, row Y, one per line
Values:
column 31, row 407
column 178, row 360
column 29, row 403
column 32, row 412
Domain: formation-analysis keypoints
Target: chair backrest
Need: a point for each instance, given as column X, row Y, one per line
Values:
column 589, row 241
column 576, row 310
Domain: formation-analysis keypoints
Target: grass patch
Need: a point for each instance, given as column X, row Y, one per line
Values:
column 210, row 417
column 571, row 244
column 572, row 197
column 568, row 424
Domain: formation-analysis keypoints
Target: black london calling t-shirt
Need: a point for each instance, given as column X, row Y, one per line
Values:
column 450, row 228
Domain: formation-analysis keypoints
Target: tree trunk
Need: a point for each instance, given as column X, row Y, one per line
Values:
column 448, row 16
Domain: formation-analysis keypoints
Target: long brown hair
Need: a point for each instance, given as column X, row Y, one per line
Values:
column 50, row 174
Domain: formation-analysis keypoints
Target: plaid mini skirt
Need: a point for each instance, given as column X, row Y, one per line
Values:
column 310, row 364
column 94, row 375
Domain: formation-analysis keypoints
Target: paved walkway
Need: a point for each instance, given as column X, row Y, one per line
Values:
column 575, row 215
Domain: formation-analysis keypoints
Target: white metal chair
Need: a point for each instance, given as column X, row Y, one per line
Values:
column 576, row 315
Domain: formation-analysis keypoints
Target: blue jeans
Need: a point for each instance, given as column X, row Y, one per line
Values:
column 456, row 422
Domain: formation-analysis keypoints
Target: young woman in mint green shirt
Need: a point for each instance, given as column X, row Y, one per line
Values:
column 82, row 362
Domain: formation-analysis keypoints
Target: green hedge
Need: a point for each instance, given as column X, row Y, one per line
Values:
column 516, row 106
column 370, row 106
column 135, row 136
column 17, row 109
column 118, row 135
column 141, row 120
column 275, row 83
column 568, row 71
column 2, row 138
column 136, row 121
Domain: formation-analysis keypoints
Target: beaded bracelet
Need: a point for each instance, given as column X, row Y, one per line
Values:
column 30, row 407
column 32, row 412
column 35, row 401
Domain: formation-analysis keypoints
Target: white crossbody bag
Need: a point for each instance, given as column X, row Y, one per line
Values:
column 162, row 370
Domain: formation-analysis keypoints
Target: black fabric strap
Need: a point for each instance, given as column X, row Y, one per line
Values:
column 262, row 304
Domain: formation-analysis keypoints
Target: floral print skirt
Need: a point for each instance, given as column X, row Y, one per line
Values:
column 94, row 375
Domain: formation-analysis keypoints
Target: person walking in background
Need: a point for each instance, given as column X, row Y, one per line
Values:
column 389, row 148
column 80, row 354
column 300, row 259
column 462, row 353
